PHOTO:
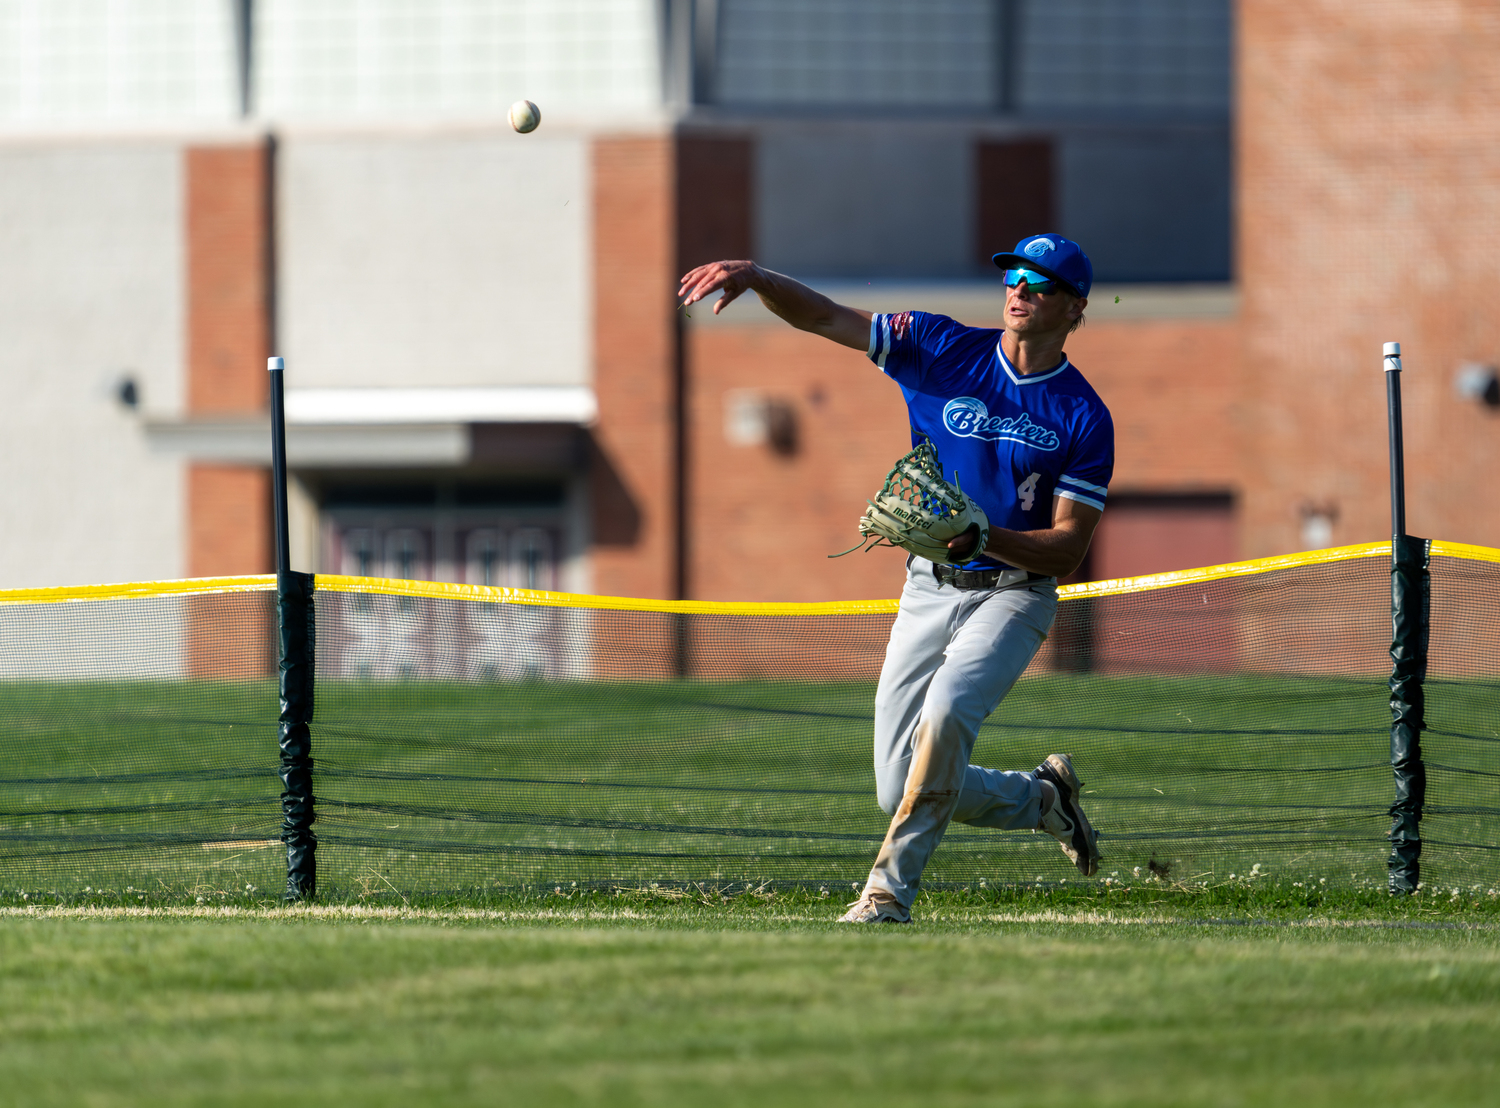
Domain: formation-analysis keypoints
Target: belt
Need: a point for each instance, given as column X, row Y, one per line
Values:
column 984, row 578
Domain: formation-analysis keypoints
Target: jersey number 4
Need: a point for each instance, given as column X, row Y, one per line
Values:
column 1026, row 490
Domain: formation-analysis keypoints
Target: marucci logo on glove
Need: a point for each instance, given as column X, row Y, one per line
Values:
column 968, row 418
column 920, row 511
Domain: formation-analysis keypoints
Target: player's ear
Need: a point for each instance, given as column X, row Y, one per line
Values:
column 1075, row 312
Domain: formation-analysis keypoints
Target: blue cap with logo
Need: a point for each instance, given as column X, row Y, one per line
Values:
column 1052, row 256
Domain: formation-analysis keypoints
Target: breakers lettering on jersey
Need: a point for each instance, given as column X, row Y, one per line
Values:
column 968, row 416
column 1019, row 440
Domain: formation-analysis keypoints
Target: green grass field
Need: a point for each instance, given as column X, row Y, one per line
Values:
column 579, row 894
column 1243, row 996
column 443, row 787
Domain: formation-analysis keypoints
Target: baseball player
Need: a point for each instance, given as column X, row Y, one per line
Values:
column 1031, row 442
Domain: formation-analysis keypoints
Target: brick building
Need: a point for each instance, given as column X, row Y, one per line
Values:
column 489, row 379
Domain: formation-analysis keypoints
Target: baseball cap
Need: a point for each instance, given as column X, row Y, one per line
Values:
column 1053, row 256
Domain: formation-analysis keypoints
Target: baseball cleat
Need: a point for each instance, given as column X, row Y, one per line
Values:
column 876, row 907
column 1065, row 820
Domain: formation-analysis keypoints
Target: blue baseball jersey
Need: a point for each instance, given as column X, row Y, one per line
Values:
column 1012, row 442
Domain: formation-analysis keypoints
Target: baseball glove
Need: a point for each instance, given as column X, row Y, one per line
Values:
column 919, row 510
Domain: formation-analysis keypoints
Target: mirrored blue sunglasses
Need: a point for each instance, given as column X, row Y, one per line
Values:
column 1035, row 281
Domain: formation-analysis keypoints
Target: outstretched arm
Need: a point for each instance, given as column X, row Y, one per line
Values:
column 793, row 301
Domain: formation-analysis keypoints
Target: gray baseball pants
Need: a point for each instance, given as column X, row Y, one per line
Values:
column 952, row 656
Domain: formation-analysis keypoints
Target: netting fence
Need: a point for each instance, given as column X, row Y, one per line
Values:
column 476, row 739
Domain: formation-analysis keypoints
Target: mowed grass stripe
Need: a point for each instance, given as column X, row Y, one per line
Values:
column 354, row 913
column 375, row 1011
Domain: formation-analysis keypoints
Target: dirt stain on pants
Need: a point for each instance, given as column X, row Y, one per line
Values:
column 933, row 784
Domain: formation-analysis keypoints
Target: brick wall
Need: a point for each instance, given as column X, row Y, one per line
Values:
column 634, row 487
column 1369, row 210
column 228, row 218
column 228, row 339
column 1173, row 388
column 764, row 520
column 229, row 526
column 765, row 517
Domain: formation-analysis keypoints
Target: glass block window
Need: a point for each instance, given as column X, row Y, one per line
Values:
column 1124, row 54
column 453, row 57
column 856, row 52
column 92, row 61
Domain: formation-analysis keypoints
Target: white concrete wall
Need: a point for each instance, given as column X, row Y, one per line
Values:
column 91, row 289
column 457, row 258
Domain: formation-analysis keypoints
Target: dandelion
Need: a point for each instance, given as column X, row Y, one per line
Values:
column 200, row 900
column 249, row 888
column 1136, row 871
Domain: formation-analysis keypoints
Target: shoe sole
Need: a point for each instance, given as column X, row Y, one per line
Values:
column 1085, row 849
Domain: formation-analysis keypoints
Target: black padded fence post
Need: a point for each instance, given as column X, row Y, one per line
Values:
column 296, row 640
column 296, row 624
column 1411, row 607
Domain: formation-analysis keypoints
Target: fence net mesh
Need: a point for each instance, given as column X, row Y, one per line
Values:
column 464, row 741
column 138, row 744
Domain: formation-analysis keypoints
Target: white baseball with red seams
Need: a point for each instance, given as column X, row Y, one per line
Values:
column 525, row 116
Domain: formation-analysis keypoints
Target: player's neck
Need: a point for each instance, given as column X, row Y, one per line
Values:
column 1030, row 354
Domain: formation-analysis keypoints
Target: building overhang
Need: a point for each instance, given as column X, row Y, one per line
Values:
column 570, row 404
column 395, row 428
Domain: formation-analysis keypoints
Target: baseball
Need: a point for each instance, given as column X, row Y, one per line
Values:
column 524, row 116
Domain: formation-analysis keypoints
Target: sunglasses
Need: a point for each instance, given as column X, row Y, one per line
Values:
column 1034, row 280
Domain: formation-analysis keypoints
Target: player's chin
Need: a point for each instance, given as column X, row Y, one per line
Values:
column 1031, row 325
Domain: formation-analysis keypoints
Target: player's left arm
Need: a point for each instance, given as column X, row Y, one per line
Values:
column 1055, row 551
